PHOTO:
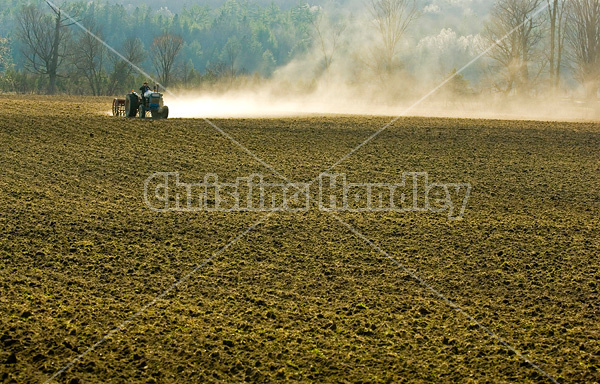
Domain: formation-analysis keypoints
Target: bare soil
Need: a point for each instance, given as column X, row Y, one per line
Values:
column 299, row 298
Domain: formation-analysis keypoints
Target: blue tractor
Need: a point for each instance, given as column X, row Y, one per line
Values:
column 139, row 105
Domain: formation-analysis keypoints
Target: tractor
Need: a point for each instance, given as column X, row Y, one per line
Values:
column 135, row 105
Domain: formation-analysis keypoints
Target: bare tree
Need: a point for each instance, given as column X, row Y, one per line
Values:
column 216, row 71
column 5, row 64
column 328, row 33
column 133, row 51
column 584, row 41
column 164, row 53
column 230, row 54
column 90, row 54
column 188, row 73
column 391, row 18
column 45, row 41
column 517, row 52
column 557, row 17
column 5, row 55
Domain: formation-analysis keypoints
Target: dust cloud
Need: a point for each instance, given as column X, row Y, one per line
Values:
column 273, row 99
column 340, row 75
column 333, row 101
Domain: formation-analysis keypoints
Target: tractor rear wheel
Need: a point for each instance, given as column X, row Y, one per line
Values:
column 131, row 105
column 163, row 112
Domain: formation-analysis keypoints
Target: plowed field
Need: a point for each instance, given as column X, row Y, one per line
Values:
column 88, row 272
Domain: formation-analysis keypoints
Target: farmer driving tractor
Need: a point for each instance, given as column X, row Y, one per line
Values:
column 149, row 100
column 144, row 88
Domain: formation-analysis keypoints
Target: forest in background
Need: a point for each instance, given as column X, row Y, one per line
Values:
column 401, row 44
column 237, row 38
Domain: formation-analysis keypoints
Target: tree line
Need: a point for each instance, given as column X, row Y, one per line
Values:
column 548, row 39
column 538, row 46
column 52, row 52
